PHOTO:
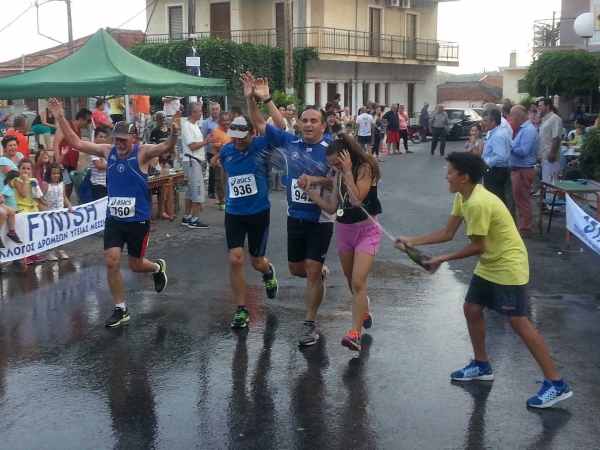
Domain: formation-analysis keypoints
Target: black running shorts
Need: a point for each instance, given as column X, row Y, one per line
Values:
column 308, row 240
column 135, row 234
column 507, row 300
column 256, row 226
column 363, row 139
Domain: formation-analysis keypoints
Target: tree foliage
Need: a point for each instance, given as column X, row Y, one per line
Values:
column 563, row 71
column 589, row 161
column 281, row 98
column 225, row 59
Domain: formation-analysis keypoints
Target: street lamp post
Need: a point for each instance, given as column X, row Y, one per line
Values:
column 585, row 27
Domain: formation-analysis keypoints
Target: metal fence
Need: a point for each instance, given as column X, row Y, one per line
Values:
column 336, row 41
column 555, row 33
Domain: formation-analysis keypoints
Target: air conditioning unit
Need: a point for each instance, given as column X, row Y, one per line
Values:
column 404, row 4
column 394, row 3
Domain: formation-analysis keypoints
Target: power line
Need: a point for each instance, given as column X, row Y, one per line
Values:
column 17, row 18
column 151, row 14
column 129, row 20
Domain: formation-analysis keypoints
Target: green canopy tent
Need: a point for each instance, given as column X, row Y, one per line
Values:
column 101, row 67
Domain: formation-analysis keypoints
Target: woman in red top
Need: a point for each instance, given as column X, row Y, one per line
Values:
column 64, row 154
column 101, row 120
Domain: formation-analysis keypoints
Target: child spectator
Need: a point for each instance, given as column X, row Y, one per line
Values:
column 24, row 187
column 350, row 129
column 39, row 166
column 7, row 190
column 7, row 214
column 54, row 193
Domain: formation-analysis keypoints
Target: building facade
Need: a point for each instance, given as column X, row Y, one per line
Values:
column 385, row 51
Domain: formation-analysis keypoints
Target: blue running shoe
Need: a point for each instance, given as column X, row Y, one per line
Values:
column 473, row 372
column 368, row 322
column 550, row 395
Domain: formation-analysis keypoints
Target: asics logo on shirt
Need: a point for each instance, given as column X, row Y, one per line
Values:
column 120, row 167
column 295, row 155
column 228, row 159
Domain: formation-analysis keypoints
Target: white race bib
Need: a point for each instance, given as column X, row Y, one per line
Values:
column 242, row 186
column 298, row 194
column 122, row 207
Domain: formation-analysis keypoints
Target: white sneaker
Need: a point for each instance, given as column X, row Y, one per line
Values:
column 62, row 254
column 51, row 256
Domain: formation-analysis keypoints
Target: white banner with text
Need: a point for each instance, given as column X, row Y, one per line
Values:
column 41, row 231
column 583, row 226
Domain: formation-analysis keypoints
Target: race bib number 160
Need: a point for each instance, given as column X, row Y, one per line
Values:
column 121, row 207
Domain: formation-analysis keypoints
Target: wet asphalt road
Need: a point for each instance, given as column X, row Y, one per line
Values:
column 179, row 378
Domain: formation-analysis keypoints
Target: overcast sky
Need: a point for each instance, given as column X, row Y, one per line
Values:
column 487, row 30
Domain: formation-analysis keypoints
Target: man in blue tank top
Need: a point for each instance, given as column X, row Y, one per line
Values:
column 129, row 206
column 247, row 211
column 309, row 228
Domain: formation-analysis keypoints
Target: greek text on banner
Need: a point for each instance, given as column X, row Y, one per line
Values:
column 583, row 226
column 42, row 231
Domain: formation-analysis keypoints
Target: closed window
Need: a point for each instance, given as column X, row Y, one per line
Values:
column 176, row 22
column 521, row 86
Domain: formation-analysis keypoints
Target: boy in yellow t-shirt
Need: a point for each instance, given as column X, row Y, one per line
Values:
column 500, row 278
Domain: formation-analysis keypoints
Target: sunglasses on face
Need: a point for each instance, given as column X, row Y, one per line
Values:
column 241, row 128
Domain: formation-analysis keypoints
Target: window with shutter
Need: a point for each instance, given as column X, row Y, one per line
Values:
column 375, row 30
column 176, row 22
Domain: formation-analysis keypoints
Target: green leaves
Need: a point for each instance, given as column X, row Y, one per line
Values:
column 563, row 71
column 589, row 161
column 225, row 59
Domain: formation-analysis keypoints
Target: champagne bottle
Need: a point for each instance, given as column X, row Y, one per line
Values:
column 418, row 256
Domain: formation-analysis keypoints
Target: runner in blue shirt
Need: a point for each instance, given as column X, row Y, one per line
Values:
column 309, row 228
column 247, row 211
column 129, row 207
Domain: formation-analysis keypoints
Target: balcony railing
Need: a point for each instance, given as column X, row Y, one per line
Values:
column 337, row 42
column 555, row 33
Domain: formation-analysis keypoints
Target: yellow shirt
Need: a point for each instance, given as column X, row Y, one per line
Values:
column 114, row 105
column 28, row 203
column 504, row 260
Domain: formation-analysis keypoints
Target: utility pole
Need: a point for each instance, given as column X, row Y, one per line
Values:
column 191, row 17
column 289, row 47
column 70, row 25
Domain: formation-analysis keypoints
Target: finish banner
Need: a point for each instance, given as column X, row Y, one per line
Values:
column 41, row 231
column 583, row 226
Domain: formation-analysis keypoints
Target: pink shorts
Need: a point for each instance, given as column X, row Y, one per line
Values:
column 362, row 237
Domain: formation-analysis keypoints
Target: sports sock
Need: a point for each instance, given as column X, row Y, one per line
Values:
column 482, row 364
column 194, row 219
column 122, row 306
column 157, row 268
column 309, row 321
column 186, row 217
column 558, row 384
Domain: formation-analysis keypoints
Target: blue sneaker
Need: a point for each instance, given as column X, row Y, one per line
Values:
column 473, row 372
column 368, row 322
column 198, row 225
column 185, row 221
column 549, row 395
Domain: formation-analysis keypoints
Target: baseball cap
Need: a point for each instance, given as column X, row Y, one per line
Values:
column 124, row 130
column 240, row 127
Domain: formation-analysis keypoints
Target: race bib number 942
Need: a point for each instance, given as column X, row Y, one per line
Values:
column 298, row 194
column 242, row 186
column 121, row 207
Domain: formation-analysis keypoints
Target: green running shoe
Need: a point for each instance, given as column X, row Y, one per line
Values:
column 160, row 277
column 271, row 284
column 241, row 318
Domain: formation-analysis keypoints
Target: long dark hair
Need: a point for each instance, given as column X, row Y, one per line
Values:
column 48, row 174
column 357, row 155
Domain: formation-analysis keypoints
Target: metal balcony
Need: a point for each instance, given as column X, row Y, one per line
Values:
column 554, row 34
column 332, row 43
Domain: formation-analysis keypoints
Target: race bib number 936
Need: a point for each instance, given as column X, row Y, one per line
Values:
column 242, row 186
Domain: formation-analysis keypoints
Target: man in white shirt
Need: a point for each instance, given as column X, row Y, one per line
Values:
column 506, row 107
column 194, row 162
column 171, row 105
column 366, row 127
column 550, row 137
